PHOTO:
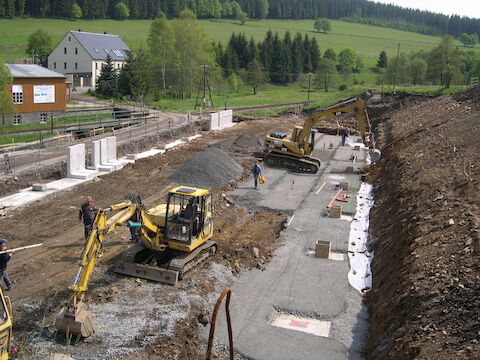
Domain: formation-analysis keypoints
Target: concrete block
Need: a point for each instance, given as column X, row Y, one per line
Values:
column 96, row 154
column 214, row 122
column 75, row 158
column 112, row 149
column 39, row 187
column 132, row 156
column 336, row 211
column 349, row 169
column 103, row 152
column 344, row 185
column 356, row 148
column 322, row 249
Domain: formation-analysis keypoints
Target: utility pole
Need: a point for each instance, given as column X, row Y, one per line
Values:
column 205, row 85
column 396, row 67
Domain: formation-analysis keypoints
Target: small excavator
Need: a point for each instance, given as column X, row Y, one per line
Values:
column 172, row 239
column 294, row 153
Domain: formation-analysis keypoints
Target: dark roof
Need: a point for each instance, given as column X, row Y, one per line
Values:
column 101, row 45
column 31, row 70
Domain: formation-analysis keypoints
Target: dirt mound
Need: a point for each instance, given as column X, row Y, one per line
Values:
column 471, row 96
column 248, row 141
column 210, row 168
column 425, row 298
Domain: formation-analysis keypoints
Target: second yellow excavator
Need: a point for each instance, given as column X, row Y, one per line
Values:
column 294, row 153
column 172, row 239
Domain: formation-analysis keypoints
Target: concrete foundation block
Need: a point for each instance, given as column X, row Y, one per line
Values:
column 39, row 187
column 356, row 148
column 132, row 157
column 344, row 185
column 112, row 148
column 322, row 249
column 96, row 154
column 336, row 211
column 103, row 152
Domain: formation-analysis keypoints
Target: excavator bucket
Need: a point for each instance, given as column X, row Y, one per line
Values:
column 375, row 155
column 78, row 323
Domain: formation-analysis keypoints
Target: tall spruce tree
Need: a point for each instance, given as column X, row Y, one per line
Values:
column 382, row 60
column 107, row 81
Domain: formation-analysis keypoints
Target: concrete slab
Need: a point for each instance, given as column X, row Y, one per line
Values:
column 295, row 282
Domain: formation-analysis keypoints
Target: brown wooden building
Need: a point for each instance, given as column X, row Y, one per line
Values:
column 39, row 94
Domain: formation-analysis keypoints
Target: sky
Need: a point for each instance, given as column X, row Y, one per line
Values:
column 470, row 8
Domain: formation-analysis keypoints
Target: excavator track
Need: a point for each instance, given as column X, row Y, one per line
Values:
column 174, row 264
column 308, row 165
column 185, row 262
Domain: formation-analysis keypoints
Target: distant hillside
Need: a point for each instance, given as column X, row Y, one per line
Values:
column 355, row 10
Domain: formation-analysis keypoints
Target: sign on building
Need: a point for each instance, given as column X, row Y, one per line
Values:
column 43, row 94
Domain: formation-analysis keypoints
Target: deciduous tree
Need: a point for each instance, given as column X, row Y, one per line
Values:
column 6, row 99
column 325, row 74
column 122, row 11
column 39, row 45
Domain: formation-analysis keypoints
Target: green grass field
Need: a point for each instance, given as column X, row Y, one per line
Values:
column 367, row 40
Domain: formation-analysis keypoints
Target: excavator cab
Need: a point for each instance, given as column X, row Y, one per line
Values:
column 188, row 218
column 5, row 326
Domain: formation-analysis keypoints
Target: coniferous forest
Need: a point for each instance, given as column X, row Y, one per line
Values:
column 351, row 10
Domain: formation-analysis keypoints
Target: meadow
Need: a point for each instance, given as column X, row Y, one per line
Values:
column 368, row 41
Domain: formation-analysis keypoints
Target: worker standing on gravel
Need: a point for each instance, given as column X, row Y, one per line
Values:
column 4, row 258
column 87, row 214
column 256, row 171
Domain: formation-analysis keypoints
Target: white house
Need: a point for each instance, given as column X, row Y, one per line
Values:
column 80, row 56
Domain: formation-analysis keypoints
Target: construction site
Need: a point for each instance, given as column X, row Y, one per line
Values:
column 359, row 245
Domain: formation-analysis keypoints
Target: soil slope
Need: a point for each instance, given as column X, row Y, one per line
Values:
column 426, row 293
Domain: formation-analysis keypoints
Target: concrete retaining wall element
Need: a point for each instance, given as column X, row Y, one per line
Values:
column 76, row 163
column 221, row 120
column 96, row 153
column 112, row 149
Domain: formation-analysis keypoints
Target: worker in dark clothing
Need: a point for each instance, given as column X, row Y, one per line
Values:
column 4, row 258
column 345, row 134
column 87, row 215
column 256, row 171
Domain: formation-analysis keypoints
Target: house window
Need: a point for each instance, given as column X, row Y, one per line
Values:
column 117, row 52
column 17, row 119
column 54, row 64
column 17, row 93
column 65, row 65
column 43, row 117
column 96, row 66
column 96, row 50
column 76, row 66
column 106, row 50
column 69, row 38
column 76, row 51
column 65, row 50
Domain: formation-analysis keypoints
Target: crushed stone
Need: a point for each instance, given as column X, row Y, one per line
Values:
column 248, row 141
column 210, row 168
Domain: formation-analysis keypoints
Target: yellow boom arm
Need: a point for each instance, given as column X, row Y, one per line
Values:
column 74, row 319
column 354, row 105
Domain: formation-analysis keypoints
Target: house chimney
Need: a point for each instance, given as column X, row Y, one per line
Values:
column 79, row 30
column 105, row 33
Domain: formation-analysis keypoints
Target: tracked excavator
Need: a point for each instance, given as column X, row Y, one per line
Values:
column 294, row 153
column 172, row 239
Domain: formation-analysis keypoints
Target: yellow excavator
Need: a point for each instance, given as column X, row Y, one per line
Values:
column 172, row 239
column 294, row 153
column 6, row 323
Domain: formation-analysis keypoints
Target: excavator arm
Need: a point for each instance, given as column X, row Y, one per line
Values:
column 74, row 319
column 354, row 105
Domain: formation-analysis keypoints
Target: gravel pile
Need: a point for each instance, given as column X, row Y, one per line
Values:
column 210, row 168
column 248, row 141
